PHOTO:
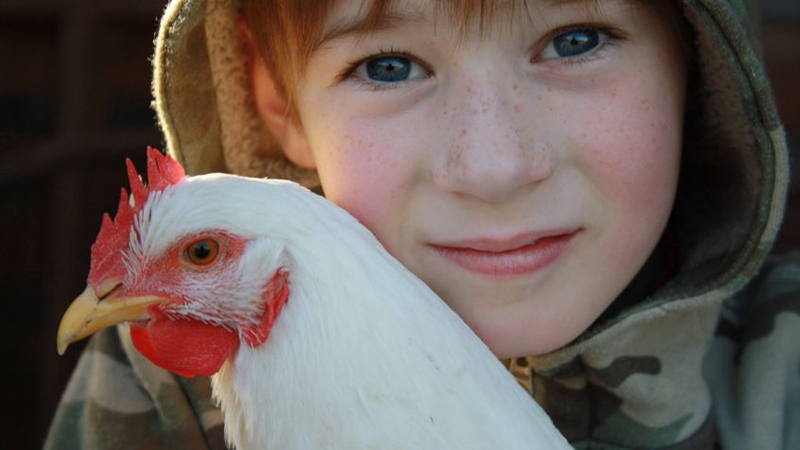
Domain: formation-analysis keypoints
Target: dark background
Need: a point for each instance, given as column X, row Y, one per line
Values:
column 74, row 101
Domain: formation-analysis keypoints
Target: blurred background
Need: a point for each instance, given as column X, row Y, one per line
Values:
column 74, row 101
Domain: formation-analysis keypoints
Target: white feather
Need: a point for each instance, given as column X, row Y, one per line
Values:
column 363, row 355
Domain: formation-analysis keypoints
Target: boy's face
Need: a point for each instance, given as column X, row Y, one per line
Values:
column 460, row 151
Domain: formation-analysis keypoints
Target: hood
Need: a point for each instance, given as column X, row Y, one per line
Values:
column 731, row 193
column 202, row 96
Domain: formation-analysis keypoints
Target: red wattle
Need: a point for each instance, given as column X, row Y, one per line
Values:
column 276, row 294
column 186, row 347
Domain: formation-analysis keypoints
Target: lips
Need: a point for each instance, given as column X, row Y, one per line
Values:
column 518, row 255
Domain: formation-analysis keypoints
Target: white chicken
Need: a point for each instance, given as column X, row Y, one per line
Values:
column 315, row 336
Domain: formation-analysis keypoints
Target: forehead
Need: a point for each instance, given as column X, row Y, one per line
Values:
column 455, row 8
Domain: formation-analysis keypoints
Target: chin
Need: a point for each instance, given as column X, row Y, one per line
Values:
column 519, row 329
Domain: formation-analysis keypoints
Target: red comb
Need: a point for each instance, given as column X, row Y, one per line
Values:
column 107, row 261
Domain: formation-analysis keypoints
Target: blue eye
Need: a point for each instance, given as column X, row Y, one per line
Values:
column 573, row 43
column 388, row 69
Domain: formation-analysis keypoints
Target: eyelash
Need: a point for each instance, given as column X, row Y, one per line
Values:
column 612, row 37
column 372, row 86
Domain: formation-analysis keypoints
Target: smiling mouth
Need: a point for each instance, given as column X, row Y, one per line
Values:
column 516, row 256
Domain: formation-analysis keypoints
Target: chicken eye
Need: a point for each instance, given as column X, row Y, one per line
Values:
column 202, row 252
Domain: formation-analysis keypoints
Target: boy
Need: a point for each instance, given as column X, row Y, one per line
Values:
column 586, row 188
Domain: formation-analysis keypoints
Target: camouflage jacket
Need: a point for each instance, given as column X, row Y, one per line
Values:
column 709, row 360
column 652, row 388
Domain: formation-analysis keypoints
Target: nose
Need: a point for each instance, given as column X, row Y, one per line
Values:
column 492, row 152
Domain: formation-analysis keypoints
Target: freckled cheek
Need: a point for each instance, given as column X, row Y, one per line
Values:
column 364, row 173
column 634, row 157
column 631, row 158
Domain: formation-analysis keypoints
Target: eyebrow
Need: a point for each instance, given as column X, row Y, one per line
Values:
column 355, row 25
column 567, row 2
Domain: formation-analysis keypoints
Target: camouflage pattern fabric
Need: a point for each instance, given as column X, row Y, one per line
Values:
column 117, row 399
column 660, row 388
column 709, row 360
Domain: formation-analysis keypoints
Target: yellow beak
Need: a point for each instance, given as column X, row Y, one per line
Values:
column 89, row 314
